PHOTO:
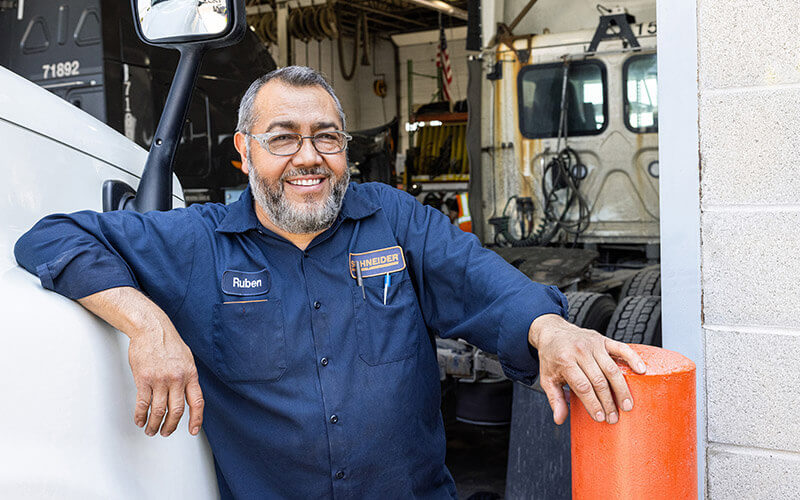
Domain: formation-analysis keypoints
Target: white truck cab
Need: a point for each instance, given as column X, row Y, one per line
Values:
column 609, row 140
column 68, row 393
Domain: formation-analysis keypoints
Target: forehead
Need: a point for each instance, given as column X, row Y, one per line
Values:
column 277, row 101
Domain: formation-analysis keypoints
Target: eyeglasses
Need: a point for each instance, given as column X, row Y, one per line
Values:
column 287, row 144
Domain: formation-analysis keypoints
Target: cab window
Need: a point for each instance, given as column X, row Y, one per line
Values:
column 640, row 75
column 539, row 90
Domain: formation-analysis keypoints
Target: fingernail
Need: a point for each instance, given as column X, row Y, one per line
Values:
column 612, row 418
column 195, row 431
column 627, row 405
column 599, row 416
column 150, row 433
column 641, row 368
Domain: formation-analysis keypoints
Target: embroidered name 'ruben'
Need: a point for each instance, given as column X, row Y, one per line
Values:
column 245, row 283
column 378, row 262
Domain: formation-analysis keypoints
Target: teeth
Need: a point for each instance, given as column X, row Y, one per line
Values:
column 305, row 182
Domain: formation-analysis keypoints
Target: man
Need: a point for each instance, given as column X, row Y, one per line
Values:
column 307, row 311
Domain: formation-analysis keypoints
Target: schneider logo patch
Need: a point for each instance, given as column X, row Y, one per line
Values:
column 244, row 283
column 378, row 262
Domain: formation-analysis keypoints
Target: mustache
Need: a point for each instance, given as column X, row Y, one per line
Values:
column 298, row 172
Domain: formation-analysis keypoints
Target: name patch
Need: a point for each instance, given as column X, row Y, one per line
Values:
column 243, row 283
column 378, row 262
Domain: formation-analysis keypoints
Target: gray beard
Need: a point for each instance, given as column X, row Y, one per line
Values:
column 299, row 218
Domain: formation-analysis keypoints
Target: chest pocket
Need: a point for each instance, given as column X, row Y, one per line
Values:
column 390, row 332
column 249, row 341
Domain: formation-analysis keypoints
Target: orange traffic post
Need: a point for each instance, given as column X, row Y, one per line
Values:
column 651, row 453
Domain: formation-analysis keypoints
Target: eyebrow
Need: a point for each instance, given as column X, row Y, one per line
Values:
column 292, row 125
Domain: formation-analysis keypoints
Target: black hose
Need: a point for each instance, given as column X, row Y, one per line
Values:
column 562, row 172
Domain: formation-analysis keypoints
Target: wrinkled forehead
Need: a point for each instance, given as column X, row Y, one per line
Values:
column 307, row 107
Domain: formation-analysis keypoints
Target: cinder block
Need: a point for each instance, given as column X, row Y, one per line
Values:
column 745, row 44
column 736, row 474
column 750, row 268
column 750, row 389
column 749, row 145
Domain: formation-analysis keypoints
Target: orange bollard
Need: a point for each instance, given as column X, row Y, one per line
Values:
column 651, row 453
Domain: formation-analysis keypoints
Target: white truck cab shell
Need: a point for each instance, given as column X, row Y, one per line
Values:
column 621, row 185
column 68, row 395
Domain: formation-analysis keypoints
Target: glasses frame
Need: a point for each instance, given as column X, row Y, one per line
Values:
column 263, row 141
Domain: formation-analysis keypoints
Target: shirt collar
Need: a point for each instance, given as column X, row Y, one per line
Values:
column 241, row 216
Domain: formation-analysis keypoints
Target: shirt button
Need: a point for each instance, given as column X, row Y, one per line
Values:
column 323, row 361
column 305, row 254
column 334, row 419
column 340, row 474
column 317, row 305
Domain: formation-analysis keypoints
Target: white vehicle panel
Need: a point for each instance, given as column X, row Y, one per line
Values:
column 27, row 105
column 67, row 422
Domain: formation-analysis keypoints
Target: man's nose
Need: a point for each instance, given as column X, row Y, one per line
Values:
column 307, row 155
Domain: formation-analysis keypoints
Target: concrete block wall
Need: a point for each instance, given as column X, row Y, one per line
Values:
column 749, row 132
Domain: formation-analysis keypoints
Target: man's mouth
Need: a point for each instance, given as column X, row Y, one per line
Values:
column 306, row 181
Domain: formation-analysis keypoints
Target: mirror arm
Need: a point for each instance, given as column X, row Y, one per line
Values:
column 155, row 188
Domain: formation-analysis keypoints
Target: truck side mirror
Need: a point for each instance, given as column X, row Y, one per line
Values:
column 192, row 27
column 184, row 20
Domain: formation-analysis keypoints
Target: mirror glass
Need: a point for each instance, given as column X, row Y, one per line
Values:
column 161, row 19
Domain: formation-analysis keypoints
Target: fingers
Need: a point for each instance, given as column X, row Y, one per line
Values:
column 619, row 386
column 175, row 409
column 194, row 396
column 144, row 396
column 557, row 400
column 602, row 389
column 582, row 387
column 157, row 410
column 624, row 351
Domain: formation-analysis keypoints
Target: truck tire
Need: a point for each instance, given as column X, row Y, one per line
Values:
column 590, row 310
column 645, row 282
column 637, row 320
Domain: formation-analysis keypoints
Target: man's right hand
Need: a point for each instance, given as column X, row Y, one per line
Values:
column 164, row 372
column 162, row 364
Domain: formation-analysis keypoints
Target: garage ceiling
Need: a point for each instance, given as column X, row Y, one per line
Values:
column 384, row 17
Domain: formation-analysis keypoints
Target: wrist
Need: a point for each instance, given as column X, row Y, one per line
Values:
column 539, row 324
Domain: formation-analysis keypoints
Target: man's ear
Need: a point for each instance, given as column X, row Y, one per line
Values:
column 240, row 142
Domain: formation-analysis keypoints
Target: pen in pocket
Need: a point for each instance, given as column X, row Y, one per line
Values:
column 386, row 282
column 360, row 280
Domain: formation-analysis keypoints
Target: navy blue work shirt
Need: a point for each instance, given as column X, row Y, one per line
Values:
column 312, row 389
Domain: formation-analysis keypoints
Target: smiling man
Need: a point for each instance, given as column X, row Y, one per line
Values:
column 298, row 323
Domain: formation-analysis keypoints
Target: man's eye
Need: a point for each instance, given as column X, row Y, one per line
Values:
column 284, row 138
column 328, row 137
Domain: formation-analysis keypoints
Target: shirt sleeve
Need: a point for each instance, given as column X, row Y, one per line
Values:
column 469, row 292
column 83, row 253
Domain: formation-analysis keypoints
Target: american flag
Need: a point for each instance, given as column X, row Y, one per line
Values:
column 443, row 62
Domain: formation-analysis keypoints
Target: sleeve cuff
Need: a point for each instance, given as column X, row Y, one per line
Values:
column 78, row 273
column 517, row 357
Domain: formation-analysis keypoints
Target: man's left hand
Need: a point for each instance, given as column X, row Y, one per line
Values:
column 582, row 359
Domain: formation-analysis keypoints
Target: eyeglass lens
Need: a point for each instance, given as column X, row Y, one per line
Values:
column 325, row 142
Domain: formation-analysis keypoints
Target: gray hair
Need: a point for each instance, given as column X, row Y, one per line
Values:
column 295, row 76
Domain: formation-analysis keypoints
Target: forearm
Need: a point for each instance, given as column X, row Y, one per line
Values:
column 128, row 310
column 162, row 365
